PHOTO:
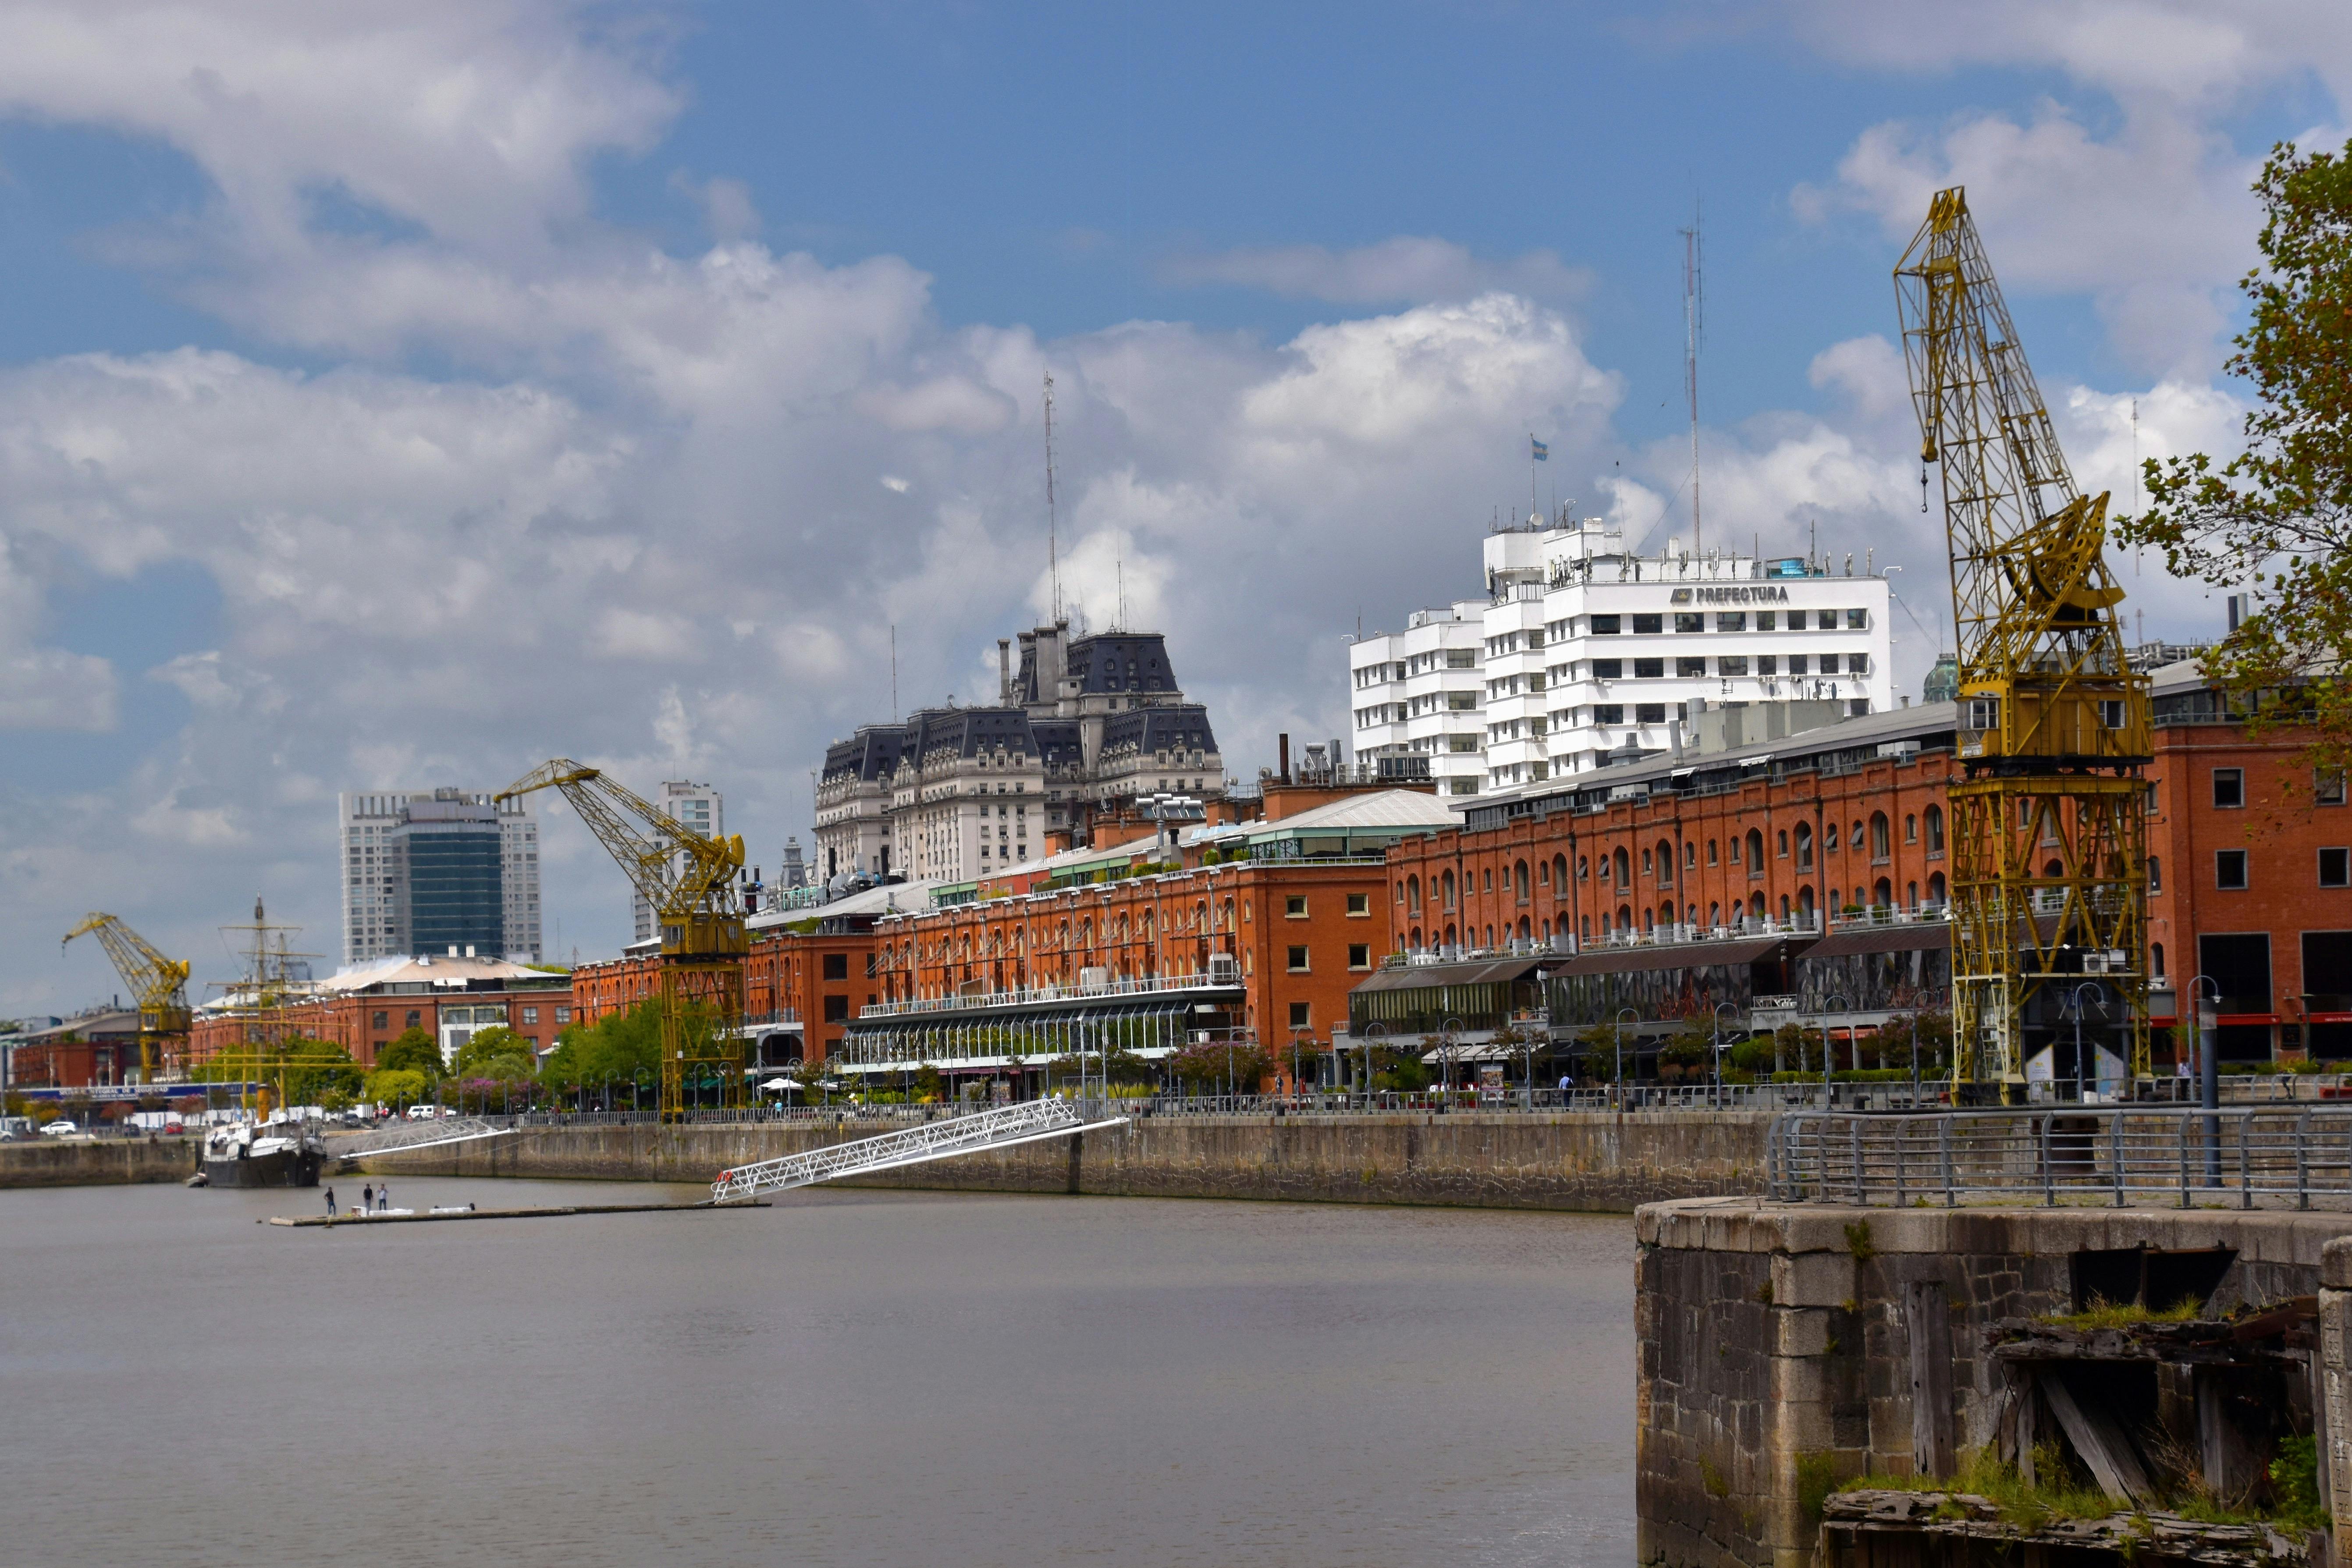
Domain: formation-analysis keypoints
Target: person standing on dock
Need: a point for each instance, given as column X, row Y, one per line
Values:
column 331, row 1203
column 383, row 1198
column 367, row 1197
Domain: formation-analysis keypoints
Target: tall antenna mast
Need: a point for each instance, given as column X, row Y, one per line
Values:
column 1052, row 527
column 894, row 672
column 1690, row 357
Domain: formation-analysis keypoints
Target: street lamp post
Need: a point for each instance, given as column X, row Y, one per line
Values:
column 1720, row 1009
column 1822, row 1017
column 1623, row 1014
column 1446, row 1055
column 2205, row 1025
column 1372, row 1031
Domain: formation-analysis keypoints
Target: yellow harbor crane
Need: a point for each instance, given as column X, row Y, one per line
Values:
column 2049, row 883
column 690, row 880
column 159, row 984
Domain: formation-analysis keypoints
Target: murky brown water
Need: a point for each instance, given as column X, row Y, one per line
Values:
column 844, row 1378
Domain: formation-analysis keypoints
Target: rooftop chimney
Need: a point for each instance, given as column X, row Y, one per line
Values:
column 1283, row 757
column 1004, row 670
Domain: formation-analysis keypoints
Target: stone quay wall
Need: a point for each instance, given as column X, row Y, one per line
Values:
column 1776, row 1345
column 1586, row 1161
column 97, row 1161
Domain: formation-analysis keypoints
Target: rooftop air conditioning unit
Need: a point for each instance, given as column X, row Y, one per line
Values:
column 1224, row 969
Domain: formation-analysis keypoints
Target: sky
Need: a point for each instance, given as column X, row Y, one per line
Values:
column 395, row 397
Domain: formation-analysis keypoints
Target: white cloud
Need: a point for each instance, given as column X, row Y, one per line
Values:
column 45, row 687
column 1407, row 268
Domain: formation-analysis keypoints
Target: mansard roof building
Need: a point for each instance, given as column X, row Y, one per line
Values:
column 1082, row 724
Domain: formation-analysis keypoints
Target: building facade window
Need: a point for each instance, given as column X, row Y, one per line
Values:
column 1360, row 955
column 2229, row 788
column 2230, row 869
column 1297, row 957
column 2335, row 867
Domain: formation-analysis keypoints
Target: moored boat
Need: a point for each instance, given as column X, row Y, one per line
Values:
column 280, row 1154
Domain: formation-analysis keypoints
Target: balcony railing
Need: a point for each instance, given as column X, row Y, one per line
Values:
column 1133, row 986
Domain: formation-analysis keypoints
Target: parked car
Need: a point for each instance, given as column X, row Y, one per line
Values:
column 423, row 1112
column 60, row 1127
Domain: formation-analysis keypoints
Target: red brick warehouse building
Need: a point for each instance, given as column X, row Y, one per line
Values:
column 1673, row 858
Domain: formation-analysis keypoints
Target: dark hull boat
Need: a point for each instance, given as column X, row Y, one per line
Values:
column 239, row 1160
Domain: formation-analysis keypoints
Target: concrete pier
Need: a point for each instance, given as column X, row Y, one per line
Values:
column 1581, row 1162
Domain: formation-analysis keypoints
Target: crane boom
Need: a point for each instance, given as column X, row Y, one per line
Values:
column 159, row 984
column 690, row 879
column 2049, row 881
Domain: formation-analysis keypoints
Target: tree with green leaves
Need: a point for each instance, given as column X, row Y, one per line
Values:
column 497, row 1052
column 2278, row 516
column 412, row 1051
column 619, row 1049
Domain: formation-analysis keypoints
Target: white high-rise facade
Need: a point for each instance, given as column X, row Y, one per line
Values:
column 1422, row 692
column 695, row 806
column 394, row 901
column 1586, row 654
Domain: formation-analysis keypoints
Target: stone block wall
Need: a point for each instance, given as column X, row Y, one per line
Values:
column 1776, row 1344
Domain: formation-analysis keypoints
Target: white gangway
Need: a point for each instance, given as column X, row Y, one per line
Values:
column 1023, row 1123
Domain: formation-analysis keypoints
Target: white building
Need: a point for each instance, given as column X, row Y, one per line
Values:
column 1421, row 692
column 1588, row 656
column 480, row 886
column 695, row 806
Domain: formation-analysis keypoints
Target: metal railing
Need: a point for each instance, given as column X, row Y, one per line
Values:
column 1127, row 986
column 2281, row 1156
column 996, row 1129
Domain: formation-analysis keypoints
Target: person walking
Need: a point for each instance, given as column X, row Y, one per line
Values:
column 331, row 1203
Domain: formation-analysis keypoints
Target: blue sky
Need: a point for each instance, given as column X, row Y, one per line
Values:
column 385, row 406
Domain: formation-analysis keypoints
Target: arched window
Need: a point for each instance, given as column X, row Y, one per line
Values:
column 1525, row 930
column 1559, row 875
column 1584, row 867
column 1879, row 849
column 2155, row 959
column 1625, row 869
column 1910, row 828
column 1489, row 879
column 1400, row 897
column 1650, row 919
column 1911, row 894
column 1710, row 851
column 1415, row 939
column 1784, row 844
column 1830, row 838
column 1412, row 893
column 1805, row 846
column 1755, row 852
column 1543, row 873
column 1666, row 864
column 2155, row 874
column 1805, row 903
column 1490, row 936
column 1935, row 815
column 1756, row 905
column 1936, row 888
column 1445, row 885
column 1883, row 896
column 1714, row 914
column 1519, row 881
column 1625, row 917
column 1645, row 862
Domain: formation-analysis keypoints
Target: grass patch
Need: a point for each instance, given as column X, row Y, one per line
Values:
column 2103, row 1313
column 1858, row 1241
column 2026, row 1506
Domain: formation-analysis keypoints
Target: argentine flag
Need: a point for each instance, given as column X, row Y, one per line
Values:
column 1541, row 453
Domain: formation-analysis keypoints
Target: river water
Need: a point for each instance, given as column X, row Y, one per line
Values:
column 844, row 1378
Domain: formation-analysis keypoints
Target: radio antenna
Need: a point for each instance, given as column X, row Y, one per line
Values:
column 1053, row 529
column 1691, row 321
